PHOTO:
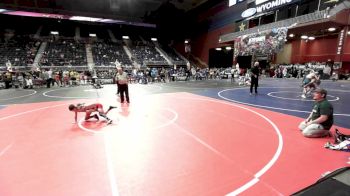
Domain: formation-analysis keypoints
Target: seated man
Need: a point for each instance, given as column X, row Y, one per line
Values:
column 97, row 107
column 310, row 82
column 320, row 119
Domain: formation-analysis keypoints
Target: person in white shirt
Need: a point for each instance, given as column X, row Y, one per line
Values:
column 122, row 81
column 49, row 78
column 327, row 72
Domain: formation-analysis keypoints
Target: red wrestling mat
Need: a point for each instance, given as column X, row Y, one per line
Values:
column 166, row 144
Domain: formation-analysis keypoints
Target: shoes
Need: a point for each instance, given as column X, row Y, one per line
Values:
column 96, row 116
column 250, row 93
column 303, row 96
column 112, row 107
column 109, row 121
column 327, row 145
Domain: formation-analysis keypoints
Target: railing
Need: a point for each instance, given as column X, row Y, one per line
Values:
column 155, row 63
column 180, row 62
column 319, row 15
column 340, row 7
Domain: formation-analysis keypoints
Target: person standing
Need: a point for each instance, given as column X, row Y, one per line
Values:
column 122, row 81
column 320, row 120
column 254, row 71
column 48, row 78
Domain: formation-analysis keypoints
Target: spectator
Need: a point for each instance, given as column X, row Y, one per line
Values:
column 320, row 119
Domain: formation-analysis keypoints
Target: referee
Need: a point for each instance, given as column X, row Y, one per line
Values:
column 254, row 78
column 122, row 81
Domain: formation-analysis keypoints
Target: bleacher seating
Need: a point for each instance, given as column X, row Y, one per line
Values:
column 145, row 54
column 68, row 48
column 173, row 55
column 19, row 50
column 64, row 52
column 105, row 54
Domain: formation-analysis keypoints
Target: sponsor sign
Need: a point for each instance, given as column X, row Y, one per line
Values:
column 248, row 12
column 340, row 41
column 340, row 44
column 270, row 5
column 256, row 39
column 264, row 5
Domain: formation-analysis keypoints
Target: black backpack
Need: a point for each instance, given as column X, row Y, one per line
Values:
column 339, row 137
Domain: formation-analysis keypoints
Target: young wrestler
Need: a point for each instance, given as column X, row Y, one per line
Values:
column 97, row 107
column 310, row 82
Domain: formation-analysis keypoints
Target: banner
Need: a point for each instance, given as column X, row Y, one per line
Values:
column 340, row 44
column 261, row 43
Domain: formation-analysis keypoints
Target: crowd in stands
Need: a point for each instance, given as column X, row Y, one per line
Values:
column 143, row 53
column 61, row 57
column 45, row 77
column 18, row 51
column 299, row 71
column 67, row 52
column 105, row 54
column 21, row 50
column 105, row 74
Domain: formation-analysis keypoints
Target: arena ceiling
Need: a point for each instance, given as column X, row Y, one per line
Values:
column 128, row 10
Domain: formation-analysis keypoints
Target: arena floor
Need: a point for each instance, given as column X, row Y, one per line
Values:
column 179, row 138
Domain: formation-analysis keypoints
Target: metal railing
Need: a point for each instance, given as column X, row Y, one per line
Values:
column 155, row 63
column 319, row 15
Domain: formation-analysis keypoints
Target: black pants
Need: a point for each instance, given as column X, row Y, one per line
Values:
column 118, row 88
column 48, row 82
column 123, row 88
column 254, row 83
column 7, row 84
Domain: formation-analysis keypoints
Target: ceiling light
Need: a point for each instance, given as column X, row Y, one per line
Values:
column 125, row 37
column 218, row 49
column 228, row 48
column 154, row 39
column 311, row 38
column 54, row 32
column 304, row 37
column 291, row 35
column 83, row 18
column 92, row 35
column 348, row 32
column 186, row 41
column 331, row 29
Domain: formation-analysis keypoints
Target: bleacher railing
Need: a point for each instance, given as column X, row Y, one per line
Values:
column 319, row 15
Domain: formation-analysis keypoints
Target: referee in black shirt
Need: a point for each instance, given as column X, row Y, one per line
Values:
column 254, row 71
